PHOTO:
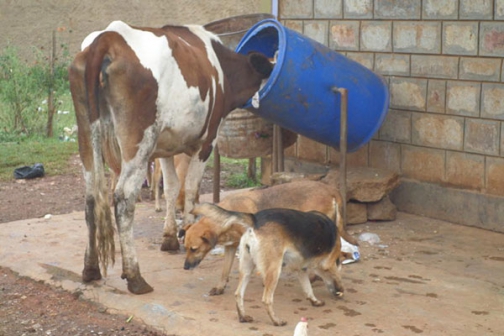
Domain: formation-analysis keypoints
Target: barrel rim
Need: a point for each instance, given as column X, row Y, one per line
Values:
column 282, row 45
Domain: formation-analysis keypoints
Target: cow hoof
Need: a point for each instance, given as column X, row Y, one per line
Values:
column 246, row 319
column 170, row 244
column 139, row 286
column 279, row 323
column 91, row 273
column 216, row 291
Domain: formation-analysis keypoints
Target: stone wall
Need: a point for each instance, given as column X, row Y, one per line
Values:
column 443, row 62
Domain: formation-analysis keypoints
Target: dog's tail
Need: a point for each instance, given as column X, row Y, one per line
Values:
column 340, row 224
column 225, row 217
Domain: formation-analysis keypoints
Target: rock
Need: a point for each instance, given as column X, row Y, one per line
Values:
column 383, row 210
column 365, row 184
column 356, row 213
column 285, row 177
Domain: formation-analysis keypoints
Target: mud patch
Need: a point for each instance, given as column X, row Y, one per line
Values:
column 349, row 312
column 476, row 312
column 327, row 326
column 60, row 274
column 413, row 328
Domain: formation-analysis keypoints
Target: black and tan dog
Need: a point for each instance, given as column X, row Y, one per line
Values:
column 202, row 236
column 300, row 241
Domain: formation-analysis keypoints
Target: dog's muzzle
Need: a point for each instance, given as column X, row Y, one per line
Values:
column 190, row 265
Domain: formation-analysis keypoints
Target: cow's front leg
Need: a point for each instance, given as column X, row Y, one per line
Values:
column 192, row 184
column 125, row 195
column 171, row 185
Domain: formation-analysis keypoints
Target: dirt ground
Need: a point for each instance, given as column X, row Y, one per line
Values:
column 28, row 307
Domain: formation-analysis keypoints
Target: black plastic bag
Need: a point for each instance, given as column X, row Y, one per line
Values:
column 27, row 172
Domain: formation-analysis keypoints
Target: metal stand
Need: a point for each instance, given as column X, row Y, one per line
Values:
column 343, row 148
column 216, row 175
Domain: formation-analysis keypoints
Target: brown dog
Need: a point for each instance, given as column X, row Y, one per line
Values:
column 202, row 236
column 275, row 238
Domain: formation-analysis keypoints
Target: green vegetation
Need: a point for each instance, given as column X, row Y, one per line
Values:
column 24, row 113
column 52, row 153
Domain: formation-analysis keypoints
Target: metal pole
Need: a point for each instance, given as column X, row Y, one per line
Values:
column 343, row 147
column 216, row 175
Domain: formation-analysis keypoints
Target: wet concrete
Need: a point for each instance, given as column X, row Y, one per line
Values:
column 425, row 277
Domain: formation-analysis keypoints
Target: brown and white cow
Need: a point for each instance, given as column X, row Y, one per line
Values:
column 145, row 93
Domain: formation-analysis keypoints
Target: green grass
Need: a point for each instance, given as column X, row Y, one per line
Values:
column 52, row 153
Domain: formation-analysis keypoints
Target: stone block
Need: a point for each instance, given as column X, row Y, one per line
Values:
column 328, row 9
column 396, row 127
column 408, row 93
column 383, row 210
column 296, row 9
column 436, row 96
column 450, row 204
column 424, row 164
column 420, row 37
column 439, row 131
column 317, row 30
column 311, row 150
column 393, row 64
column 502, row 140
column 492, row 101
column 476, row 9
column 484, row 69
column 344, row 35
column 296, row 25
column 495, row 176
column 465, row 170
column 365, row 59
column 499, row 10
column 356, row 213
column 482, row 136
column 401, row 10
column 358, row 9
column 365, row 184
column 385, row 155
column 434, row 66
column 376, row 36
column 440, row 9
column 463, row 98
column 460, row 38
column 358, row 158
column 491, row 39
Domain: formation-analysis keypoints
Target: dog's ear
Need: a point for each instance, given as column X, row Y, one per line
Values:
column 210, row 238
column 183, row 230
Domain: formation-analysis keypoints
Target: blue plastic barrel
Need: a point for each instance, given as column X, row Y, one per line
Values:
column 298, row 95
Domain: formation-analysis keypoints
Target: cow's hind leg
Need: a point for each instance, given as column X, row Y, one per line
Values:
column 127, row 189
column 91, row 269
column 171, row 186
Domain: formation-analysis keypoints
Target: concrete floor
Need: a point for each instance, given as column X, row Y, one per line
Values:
column 425, row 277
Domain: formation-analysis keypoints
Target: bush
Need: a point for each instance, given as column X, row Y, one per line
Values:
column 24, row 89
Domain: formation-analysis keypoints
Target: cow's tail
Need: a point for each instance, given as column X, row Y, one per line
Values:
column 224, row 217
column 96, row 63
column 340, row 224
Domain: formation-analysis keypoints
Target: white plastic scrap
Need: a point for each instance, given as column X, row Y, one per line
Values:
column 371, row 238
column 351, row 250
column 255, row 100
